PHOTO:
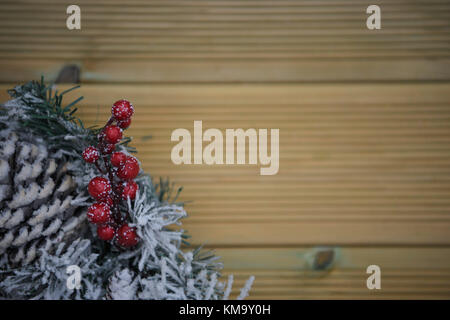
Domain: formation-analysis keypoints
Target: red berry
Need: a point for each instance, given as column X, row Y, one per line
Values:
column 118, row 159
column 124, row 123
column 106, row 232
column 99, row 213
column 129, row 190
column 91, row 154
column 113, row 134
column 99, row 188
column 122, row 110
column 107, row 148
column 126, row 236
column 129, row 170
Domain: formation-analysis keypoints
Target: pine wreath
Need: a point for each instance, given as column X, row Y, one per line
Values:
column 44, row 201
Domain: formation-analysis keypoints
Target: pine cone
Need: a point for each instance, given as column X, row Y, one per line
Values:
column 36, row 191
column 122, row 286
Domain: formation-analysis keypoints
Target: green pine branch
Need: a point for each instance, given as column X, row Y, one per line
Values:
column 41, row 111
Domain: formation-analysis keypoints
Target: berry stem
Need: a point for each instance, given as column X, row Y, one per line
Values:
column 120, row 185
column 99, row 168
column 117, row 217
column 116, row 212
column 111, row 120
column 115, row 206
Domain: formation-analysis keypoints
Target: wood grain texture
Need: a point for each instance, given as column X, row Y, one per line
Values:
column 359, row 165
column 285, row 273
column 364, row 119
column 227, row 41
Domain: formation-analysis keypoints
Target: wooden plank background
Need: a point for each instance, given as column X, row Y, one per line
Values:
column 364, row 119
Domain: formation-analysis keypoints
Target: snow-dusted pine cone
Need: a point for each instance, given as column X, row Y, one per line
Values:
column 122, row 286
column 36, row 191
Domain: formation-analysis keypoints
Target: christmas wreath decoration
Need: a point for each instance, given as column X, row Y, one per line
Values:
column 76, row 197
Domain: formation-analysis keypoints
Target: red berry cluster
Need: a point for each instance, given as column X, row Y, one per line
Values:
column 120, row 170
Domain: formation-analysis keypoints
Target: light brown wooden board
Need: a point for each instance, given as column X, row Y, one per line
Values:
column 364, row 168
column 359, row 164
column 227, row 41
column 284, row 273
